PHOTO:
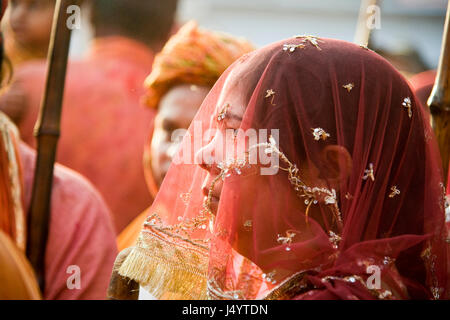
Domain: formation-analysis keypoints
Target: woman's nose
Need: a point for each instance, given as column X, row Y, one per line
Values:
column 206, row 158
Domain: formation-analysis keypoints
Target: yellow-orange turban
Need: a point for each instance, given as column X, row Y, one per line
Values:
column 192, row 56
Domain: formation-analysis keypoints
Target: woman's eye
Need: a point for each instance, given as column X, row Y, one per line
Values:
column 169, row 126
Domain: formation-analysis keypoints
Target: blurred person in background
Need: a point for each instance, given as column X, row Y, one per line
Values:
column 80, row 234
column 27, row 29
column 422, row 84
column 406, row 59
column 104, row 127
column 182, row 75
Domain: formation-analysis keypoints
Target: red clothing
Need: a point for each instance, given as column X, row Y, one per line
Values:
column 309, row 225
column 81, row 233
column 104, row 128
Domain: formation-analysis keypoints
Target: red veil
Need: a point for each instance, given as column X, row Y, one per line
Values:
column 368, row 224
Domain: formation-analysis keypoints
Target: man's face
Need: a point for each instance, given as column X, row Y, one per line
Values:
column 176, row 111
column 31, row 22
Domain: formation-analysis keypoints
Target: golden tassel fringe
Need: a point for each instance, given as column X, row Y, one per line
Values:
column 167, row 270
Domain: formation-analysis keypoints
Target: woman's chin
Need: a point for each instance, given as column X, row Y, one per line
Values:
column 214, row 205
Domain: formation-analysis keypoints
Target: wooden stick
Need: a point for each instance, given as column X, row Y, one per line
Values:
column 47, row 131
column 362, row 34
column 439, row 101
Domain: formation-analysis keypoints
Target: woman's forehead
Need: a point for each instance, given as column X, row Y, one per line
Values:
column 237, row 89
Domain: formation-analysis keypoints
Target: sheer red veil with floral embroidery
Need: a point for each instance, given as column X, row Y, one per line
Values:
column 328, row 187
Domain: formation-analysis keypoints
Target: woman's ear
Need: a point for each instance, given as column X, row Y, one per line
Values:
column 336, row 164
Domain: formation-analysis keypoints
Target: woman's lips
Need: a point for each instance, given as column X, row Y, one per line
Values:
column 213, row 204
column 215, row 196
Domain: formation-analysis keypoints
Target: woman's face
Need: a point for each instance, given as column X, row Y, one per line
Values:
column 232, row 107
column 232, row 103
column 176, row 111
column 31, row 22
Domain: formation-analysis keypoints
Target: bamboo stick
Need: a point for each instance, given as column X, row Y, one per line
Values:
column 47, row 132
column 439, row 101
